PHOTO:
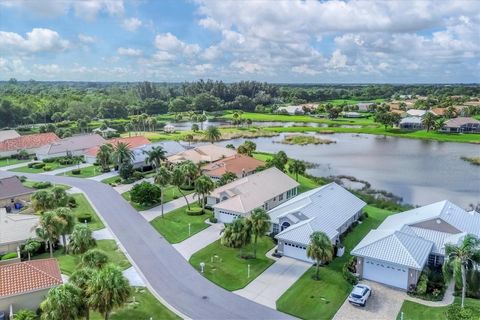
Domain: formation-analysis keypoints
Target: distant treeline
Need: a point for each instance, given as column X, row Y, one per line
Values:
column 23, row 103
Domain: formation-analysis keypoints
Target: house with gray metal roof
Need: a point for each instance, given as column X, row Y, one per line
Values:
column 411, row 123
column 330, row 209
column 74, row 146
column 405, row 243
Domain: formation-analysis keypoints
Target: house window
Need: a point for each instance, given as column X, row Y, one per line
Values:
column 285, row 225
column 280, row 197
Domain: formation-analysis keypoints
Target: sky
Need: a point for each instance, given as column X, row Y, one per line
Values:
column 304, row 41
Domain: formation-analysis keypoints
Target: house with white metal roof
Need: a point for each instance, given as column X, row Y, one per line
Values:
column 265, row 189
column 330, row 209
column 411, row 123
column 399, row 249
column 415, row 113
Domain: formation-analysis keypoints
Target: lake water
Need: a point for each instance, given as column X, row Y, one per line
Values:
column 187, row 125
column 419, row 171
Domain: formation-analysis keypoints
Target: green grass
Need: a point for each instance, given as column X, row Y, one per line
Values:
column 415, row 311
column 174, row 225
column 338, row 102
column 86, row 172
column 228, row 269
column 30, row 184
column 111, row 179
column 307, row 298
column 9, row 162
column 83, row 207
column 171, row 193
column 53, row 165
column 69, row 262
column 142, row 306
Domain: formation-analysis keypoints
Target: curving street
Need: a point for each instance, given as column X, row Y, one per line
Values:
column 165, row 270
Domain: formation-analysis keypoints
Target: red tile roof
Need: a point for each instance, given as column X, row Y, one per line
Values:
column 235, row 164
column 133, row 142
column 28, row 141
column 23, row 277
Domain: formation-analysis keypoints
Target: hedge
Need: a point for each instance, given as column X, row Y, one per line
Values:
column 195, row 212
column 42, row 185
column 10, row 255
column 85, row 217
column 76, row 171
column 47, row 168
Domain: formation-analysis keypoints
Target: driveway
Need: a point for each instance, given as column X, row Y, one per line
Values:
column 151, row 214
column 384, row 304
column 199, row 241
column 168, row 275
column 273, row 282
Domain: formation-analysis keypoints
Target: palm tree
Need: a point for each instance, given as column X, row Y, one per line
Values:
column 319, row 249
column 297, row 167
column 428, row 120
column 152, row 122
column 237, row 234
column 213, row 134
column 104, row 156
column 59, row 197
column 62, row 303
column 50, row 228
column 189, row 138
column 191, row 172
column 94, row 259
column 260, row 223
column 42, row 200
column 122, row 154
column 202, row 118
column 178, row 180
column 203, row 186
column 108, row 289
column 155, row 156
column 24, row 314
column 81, row 279
column 460, row 258
column 439, row 123
column 81, row 239
column 69, row 221
column 163, row 177
column 129, row 128
column 227, row 177
column 31, row 246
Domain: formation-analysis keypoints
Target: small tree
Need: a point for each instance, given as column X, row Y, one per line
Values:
column 126, row 171
column 428, row 121
column 155, row 156
column 163, row 177
column 297, row 167
column 319, row 249
column 260, row 224
column 237, row 234
column 62, row 303
column 81, row 239
column 68, row 224
column 195, row 127
column 104, row 156
column 178, row 180
column 31, row 246
column 227, row 177
column 279, row 160
column 213, row 134
column 203, row 186
column 145, row 193
column 94, row 259
column 81, row 279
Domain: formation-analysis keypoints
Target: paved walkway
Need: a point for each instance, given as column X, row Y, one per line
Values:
column 268, row 287
column 448, row 298
column 199, row 241
column 63, row 170
column 103, row 234
column 104, row 176
column 151, row 214
column 133, row 277
column 384, row 304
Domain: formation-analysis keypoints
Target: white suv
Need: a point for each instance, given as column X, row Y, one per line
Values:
column 360, row 295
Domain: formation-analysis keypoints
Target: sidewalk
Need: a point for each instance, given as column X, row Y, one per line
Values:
column 151, row 214
column 63, row 170
column 103, row 176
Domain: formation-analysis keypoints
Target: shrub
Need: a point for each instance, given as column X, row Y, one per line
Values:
column 348, row 269
column 145, row 193
column 213, row 220
column 22, row 178
column 24, row 314
column 76, row 171
column 22, row 155
column 195, row 211
column 42, row 185
column 84, row 217
column 125, row 171
column 38, row 165
column 32, row 164
column 137, row 175
column 49, row 160
column 9, row 255
column 72, row 203
column 456, row 312
column 47, row 168
column 422, row 285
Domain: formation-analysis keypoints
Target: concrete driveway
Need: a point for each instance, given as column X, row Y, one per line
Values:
column 199, row 241
column 385, row 303
column 273, row 282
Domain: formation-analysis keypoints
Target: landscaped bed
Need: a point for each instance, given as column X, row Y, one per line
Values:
column 171, row 193
column 37, row 169
column 85, row 172
column 307, row 298
column 225, row 267
column 174, row 225
column 83, row 209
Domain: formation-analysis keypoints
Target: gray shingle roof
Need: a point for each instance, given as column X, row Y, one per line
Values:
column 12, row 187
column 75, row 143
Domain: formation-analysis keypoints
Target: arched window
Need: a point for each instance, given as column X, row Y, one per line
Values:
column 285, row 225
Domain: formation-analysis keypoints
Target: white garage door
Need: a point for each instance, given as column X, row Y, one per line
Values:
column 225, row 217
column 295, row 251
column 389, row 274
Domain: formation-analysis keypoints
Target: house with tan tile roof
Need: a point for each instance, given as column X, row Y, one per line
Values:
column 265, row 189
column 75, row 146
column 26, row 284
column 132, row 142
column 30, row 143
column 205, row 153
column 239, row 164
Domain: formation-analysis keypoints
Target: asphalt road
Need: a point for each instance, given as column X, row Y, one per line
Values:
column 166, row 271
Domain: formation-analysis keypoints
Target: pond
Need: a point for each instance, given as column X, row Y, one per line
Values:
column 419, row 171
column 187, row 125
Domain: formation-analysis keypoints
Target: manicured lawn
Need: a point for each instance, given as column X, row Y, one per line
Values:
column 53, row 165
column 174, row 225
column 415, row 311
column 86, row 172
column 30, row 184
column 171, row 193
column 69, row 262
column 83, row 207
column 111, row 179
column 228, row 269
column 9, row 162
column 142, row 306
column 310, row 299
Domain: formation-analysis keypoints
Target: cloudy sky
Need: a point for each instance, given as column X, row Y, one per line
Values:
column 267, row 40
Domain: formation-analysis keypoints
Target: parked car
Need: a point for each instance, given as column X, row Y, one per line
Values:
column 360, row 295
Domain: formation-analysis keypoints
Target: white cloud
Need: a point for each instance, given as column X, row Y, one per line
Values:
column 202, row 69
column 131, row 52
column 131, row 24
column 36, row 40
column 338, row 60
column 86, row 39
column 305, row 70
column 169, row 43
column 247, row 67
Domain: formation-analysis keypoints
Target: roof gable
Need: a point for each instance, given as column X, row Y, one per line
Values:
column 12, row 187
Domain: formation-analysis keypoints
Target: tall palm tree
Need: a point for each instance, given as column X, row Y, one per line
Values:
column 59, row 197
column 155, row 156
column 237, row 234
column 439, row 123
column 81, row 279
column 69, row 221
column 202, row 118
column 319, row 249
column 163, row 177
column 42, row 200
column 31, row 246
column 429, row 120
column 104, row 156
column 203, row 186
column 213, row 134
column 122, row 154
column 50, row 228
column 191, row 172
column 260, row 223
column 460, row 258
column 129, row 128
column 178, row 180
column 81, row 239
column 108, row 289
column 297, row 167
column 62, row 303
column 94, row 259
